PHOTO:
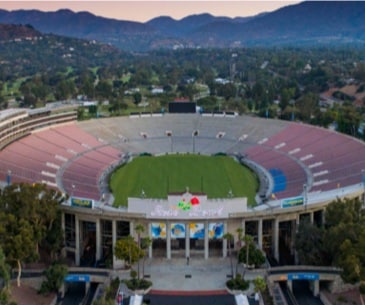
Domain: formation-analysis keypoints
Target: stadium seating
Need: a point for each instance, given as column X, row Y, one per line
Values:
column 75, row 156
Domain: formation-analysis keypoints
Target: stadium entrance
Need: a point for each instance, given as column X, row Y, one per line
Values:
column 187, row 239
column 180, row 230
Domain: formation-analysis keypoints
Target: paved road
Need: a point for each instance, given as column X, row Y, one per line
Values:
column 74, row 294
column 304, row 295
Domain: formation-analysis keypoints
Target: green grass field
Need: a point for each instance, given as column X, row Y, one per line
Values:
column 158, row 176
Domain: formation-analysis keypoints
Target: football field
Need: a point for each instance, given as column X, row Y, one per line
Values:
column 156, row 176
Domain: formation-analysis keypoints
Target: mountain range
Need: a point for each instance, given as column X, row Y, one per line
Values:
column 306, row 23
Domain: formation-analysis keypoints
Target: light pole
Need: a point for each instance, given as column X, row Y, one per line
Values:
column 169, row 134
column 305, row 195
column 73, row 190
column 194, row 134
column 8, row 177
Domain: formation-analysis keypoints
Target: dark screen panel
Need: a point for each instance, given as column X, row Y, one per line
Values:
column 182, row 107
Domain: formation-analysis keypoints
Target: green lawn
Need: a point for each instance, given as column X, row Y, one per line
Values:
column 157, row 176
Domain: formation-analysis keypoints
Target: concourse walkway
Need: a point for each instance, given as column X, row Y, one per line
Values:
column 198, row 276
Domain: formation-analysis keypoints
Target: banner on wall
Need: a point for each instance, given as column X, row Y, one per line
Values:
column 215, row 230
column 82, row 202
column 196, row 230
column 292, row 202
column 158, row 230
column 178, row 230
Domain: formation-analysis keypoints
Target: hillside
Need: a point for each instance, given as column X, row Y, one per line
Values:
column 306, row 23
column 84, row 25
column 25, row 51
column 310, row 22
column 11, row 32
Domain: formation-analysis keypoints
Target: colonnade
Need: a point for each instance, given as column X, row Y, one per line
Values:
column 228, row 226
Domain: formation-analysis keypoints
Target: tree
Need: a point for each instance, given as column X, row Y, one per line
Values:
column 349, row 262
column 340, row 242
column 259, row 284
column 344, row 221
column 239, row 242
column 65, row 89
column 306, row 106
column 53, row 241
column 35, row 203
column 348, row 119
column 27, row 213
column 229, row 237
column 54, row 275
column 137, row 98
column 86, row 84
column 249, row 254
column 4, row 270
column 347, row 211
column 104, row 89
column 248, row 239
column 17, row 238
column 145, row 244
column 309, row 244
column 127, row 249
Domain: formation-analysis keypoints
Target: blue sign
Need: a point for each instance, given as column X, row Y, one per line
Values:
column 77, row 278
column 303, row 276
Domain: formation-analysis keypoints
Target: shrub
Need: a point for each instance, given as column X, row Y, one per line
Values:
column 238, row 283
column 113, row 288
column 133, row 274
column 55, row 275
column 135, row 284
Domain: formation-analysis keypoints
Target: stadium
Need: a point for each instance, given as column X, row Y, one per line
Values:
column 299, row 169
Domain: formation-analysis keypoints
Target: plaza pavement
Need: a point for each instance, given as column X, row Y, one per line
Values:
column 198, row 276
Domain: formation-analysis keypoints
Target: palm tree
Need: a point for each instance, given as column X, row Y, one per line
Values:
column 145, row 243
column 248, row 239
column 240, row 236
column 139, row 229
column 229, row 237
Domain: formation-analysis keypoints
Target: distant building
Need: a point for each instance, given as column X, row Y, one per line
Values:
column 307, row 68
column 157, row 90
column 221, row 81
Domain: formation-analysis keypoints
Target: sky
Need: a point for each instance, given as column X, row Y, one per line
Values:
column 144, row 10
